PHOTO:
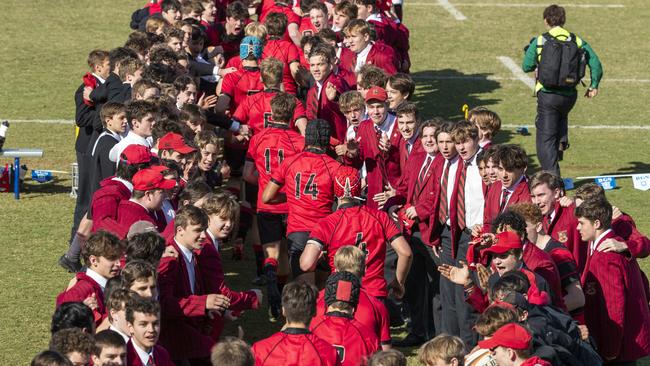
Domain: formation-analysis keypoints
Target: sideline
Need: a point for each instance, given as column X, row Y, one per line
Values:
column 520, row 5
column 517, row 72
column 451, row 9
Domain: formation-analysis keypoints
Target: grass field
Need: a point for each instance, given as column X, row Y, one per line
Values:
column 454, row 62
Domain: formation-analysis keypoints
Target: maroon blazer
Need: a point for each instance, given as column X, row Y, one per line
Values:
column 637, row 243
column 493, row 201
column 564, row 228
column 381, row 55
column 84, row 288
column 326, row 109
column 542, row 263
column 129, row 212
column 616, row 306
column 106, row 200
column 185, row 328
column 381, row 168
column 425, row 198
column 404, row 154
column 211, row 269
column 160, row 356
column 436, row 226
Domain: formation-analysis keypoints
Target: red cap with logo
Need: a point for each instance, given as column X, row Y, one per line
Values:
column 176, row 142
column 376, row 93
column 136, row 154
column 511, row 335
column 149, row 179
column 505, row 241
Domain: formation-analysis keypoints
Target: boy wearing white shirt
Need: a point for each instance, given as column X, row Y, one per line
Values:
column 141, row 115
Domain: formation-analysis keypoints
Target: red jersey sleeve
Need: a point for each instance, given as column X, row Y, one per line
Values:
column 241, row 113
column 228, row 84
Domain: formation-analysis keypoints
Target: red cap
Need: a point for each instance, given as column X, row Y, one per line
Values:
column 148, row 179
column 347, row 182
column 505, row 241
column 136, row 154
column 511, row 335
column 176, row 142
column 376, row 93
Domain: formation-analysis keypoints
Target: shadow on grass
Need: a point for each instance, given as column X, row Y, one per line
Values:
column 443, row 92
column 30, row 190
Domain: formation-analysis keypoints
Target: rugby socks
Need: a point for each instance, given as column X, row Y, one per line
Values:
column 258, row 250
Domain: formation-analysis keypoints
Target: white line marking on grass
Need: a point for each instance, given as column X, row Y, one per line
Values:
column 516, row 71
column 512, row 78
column 451, row 9
column 515, row 5
column 595, row 127
column 48, row 121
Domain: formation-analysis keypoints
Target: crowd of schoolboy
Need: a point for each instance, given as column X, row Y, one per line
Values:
column 398, row 220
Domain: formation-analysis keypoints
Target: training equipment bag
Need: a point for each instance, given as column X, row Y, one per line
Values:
column 562, row 63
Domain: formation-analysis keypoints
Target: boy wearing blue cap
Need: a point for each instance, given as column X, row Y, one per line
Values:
column 236, row 86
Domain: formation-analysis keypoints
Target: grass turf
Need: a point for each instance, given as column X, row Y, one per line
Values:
column 39, row 82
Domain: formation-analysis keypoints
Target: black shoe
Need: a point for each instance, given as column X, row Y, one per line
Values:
column 411, row 340
column 69, row 265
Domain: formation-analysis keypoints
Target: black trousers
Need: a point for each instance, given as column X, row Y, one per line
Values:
column 458, row 317
column 422, row 289
column 84, row 190
column 552, row 124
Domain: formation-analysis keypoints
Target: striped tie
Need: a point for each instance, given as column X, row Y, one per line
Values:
column 422, row 175
column 504, row 199
column 443, row 210
column 461, row 197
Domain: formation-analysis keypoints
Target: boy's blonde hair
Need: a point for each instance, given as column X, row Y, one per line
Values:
column 487, row 120
column 256, row 29
column 350, row 100
column 350, row 259
column 443, row 347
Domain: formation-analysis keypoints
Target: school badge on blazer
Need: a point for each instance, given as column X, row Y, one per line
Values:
column 562, row 236
column 590, row 288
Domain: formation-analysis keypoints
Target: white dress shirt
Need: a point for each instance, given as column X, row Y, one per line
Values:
column 474, row 198
column 118, row 331
column 214, row 239
column 189, row 264
column 594, row 244
column 101, row 280
column 361, row 57
column 130, row 139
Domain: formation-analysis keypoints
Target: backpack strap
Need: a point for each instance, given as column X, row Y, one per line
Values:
column 543, row 39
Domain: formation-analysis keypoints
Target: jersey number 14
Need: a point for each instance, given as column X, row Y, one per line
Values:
column 311, row 188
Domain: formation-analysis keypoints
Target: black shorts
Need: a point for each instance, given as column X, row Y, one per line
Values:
column 297, row 242
column 271, row 226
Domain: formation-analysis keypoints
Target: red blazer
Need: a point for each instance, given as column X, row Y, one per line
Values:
column 542, row 263
column 160, row 356
column 210, row 266
column 436, row 226
column 404, row 154
column 106, row 200
column 185, row 328
column 381, row 55
column 293, row 347
column 381, row 168
column 129, row 212
column 616, row 306
column 84, row 288
column 564, row 228
column 493, row 201
column 637, row 243
column 321, row 107
column 426, row 198
column 395, row 35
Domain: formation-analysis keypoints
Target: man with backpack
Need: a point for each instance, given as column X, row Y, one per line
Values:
column 559, row 59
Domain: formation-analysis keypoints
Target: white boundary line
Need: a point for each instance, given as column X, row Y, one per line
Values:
column 595, row 127
column 516, row 71
column 511, row 78
column 451, row 9
column 515, row 5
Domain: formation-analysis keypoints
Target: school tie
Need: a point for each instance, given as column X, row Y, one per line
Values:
column 460, row 206
column 443, row 210
column 504, row 199
column 151, row 362
column 195, row 264
column 422, row 176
